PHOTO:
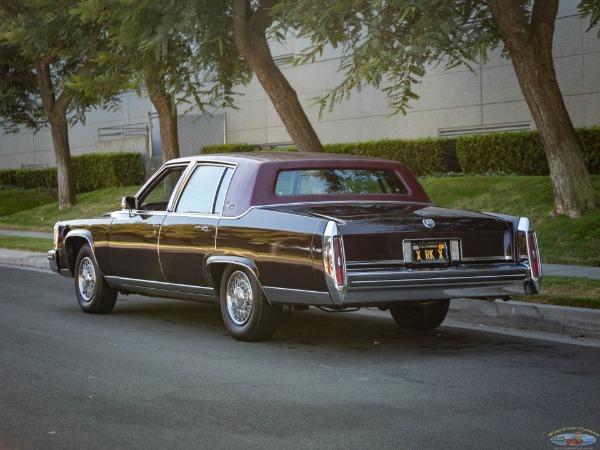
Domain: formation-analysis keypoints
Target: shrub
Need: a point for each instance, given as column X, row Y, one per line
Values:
column 423, row 156
column 520, row 153
column 227, row 148
column 102, row 170
column 92, row 171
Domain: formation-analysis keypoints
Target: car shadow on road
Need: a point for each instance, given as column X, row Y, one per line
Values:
column 314, row 331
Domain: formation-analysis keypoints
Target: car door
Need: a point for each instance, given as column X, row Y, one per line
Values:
column 188, row 233
column 134, row 233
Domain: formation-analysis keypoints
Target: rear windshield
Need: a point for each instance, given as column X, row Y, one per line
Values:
column 338, row 181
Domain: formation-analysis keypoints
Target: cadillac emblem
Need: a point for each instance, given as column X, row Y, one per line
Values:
column 429, row 223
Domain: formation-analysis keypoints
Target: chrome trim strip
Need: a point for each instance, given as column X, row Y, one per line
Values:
column 488, row 258
column 296, row 296
column 395, row 282
column 155, row 286
column 383, row 262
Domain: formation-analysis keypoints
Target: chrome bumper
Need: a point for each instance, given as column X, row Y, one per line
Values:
column 372, row 286
column 52, row 256
column 53, row 261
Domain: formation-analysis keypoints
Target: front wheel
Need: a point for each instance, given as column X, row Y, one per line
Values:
column 93, row 293
column 245, row 310
column 420, row 316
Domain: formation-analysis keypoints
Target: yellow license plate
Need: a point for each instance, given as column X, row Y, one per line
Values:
column 429, row 252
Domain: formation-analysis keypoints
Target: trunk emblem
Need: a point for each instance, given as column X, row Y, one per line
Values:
column 429, row 223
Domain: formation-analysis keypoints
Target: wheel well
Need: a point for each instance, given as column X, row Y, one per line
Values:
column 215, row 274
column 216, row 269
column 72, row 247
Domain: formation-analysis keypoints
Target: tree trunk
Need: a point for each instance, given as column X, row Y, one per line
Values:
column 251, row 41
column 530, row 49
column 56, row 111
column 167, row 118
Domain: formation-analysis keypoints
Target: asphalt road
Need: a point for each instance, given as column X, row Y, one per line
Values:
column 163, row 374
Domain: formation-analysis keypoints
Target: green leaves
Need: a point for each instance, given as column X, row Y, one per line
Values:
column 388, row 44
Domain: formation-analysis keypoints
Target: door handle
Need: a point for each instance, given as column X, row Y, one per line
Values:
column 204, row 228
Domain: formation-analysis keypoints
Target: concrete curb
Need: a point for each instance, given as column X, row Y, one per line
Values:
column 515, row 315
column 21, row 258
column 531, row 316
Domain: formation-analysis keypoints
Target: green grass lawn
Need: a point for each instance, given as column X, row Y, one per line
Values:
column 39, row 245
column 43, row 218
column 14, row 200
column 566, row 291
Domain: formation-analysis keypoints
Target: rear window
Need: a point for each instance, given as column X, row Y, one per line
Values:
column 338, row 181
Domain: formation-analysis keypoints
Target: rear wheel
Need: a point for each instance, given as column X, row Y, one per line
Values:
column 245, row 310
column 420, row 316
column 93, row 293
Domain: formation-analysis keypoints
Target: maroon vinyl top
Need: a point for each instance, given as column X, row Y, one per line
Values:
column 253, row 182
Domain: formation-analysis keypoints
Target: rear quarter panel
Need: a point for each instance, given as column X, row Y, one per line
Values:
column 282, row 245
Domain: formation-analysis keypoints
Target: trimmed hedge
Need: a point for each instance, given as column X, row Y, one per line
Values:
column 227, row 148
column 519, row 153
column 423, row 156
column 92, row 171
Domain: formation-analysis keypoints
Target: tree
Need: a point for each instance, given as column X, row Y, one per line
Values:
column 18, row 89
column 390, row 44
column 43, row 48
column 174, row 50
column 250, row 23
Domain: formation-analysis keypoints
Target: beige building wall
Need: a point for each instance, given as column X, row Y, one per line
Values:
column 28, row 147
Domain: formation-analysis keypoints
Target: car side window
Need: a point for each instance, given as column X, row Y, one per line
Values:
column 158, row 197
column 200, row 192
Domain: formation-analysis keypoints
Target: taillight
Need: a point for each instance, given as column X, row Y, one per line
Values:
column 334, row 260
column 534, row 254
column 339, row 260
column 529, row 251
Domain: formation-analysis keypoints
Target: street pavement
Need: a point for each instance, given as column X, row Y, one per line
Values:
column 578, row 323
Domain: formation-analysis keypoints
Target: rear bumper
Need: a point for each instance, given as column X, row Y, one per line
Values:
column 372, row 286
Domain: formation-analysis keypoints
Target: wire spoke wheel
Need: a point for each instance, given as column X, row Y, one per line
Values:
column 240, row 298
column 247, row 314
column 93, row 292
column 87, row 279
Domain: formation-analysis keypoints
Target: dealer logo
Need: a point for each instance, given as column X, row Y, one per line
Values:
column 574, row 437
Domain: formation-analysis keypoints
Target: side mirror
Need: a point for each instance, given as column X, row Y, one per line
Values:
column 129, row 202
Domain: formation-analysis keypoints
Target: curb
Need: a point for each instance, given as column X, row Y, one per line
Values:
column 570, row 321
column 21, row 258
